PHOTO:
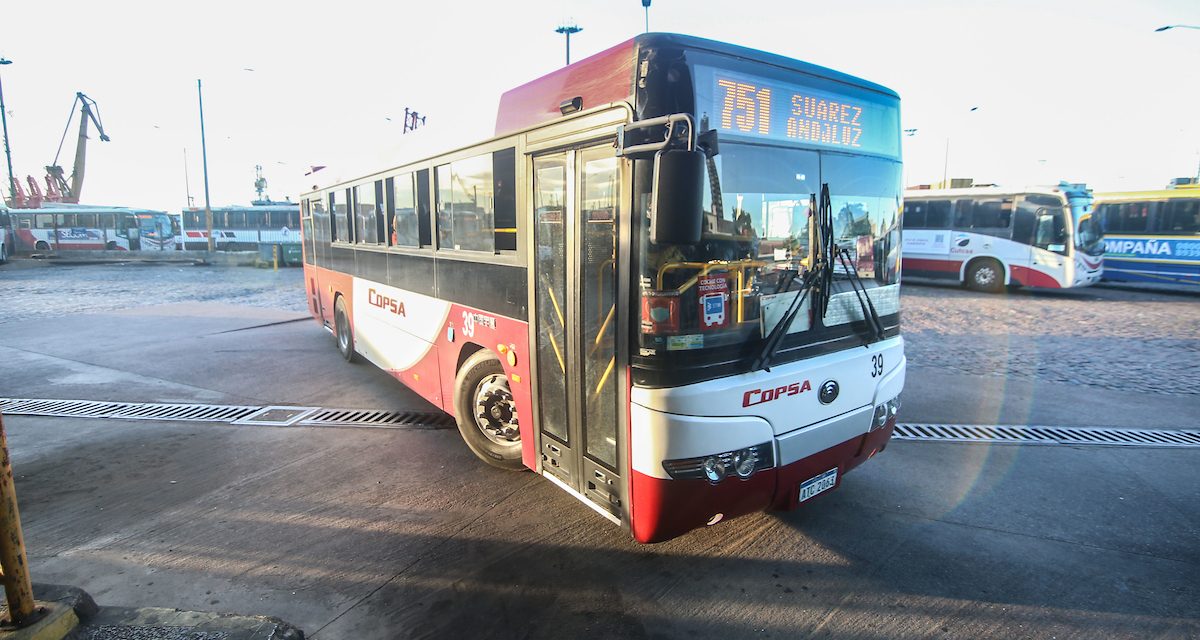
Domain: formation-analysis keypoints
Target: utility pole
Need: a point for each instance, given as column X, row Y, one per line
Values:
column 646, row 6
column 212, row 245
column 567, row 30
column 12, row 180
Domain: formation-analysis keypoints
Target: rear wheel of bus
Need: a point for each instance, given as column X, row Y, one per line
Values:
column 343, row 331
column 985, row 275
column 486, row 412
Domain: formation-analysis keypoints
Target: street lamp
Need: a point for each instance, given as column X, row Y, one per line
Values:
column 646, row 5
column 567, row 30
column 208, row 219
column 1176, row 26
column 946, row 163
column 12, row 180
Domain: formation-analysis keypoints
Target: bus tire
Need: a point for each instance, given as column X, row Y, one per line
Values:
column 343, row 331
column 41, row 245
column 486, row 411
column 3, row 253
column 985, row 275
column 111, row 246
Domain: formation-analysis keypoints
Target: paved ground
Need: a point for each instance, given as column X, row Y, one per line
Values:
column 359, row 533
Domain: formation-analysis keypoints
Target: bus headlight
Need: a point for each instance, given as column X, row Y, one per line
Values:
column 884, row 412
column 743, row 463
column 714, row 469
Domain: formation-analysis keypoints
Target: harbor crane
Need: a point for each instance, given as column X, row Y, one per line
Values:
column 55, row 181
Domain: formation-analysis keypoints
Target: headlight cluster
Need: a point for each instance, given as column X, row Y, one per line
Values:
column 885, row 412
column 742, row 463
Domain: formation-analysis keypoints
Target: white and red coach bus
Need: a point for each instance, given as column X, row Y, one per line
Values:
column 669, row 283
column 988, row 238
column 66, row 227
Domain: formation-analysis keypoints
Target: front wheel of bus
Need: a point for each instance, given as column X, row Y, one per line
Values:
column 985, row 275
column 343, row 330
column 486, row 412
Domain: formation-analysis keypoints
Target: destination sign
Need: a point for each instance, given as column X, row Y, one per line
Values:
column 756, row 107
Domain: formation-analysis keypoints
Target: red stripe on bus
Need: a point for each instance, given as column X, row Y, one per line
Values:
column 930, row 264
column 1033, row 278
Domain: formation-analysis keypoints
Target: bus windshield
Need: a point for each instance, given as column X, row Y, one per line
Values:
column 736, row 283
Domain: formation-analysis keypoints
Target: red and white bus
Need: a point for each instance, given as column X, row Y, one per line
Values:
column 67, row 227
column 669, row 284
column 988, row 238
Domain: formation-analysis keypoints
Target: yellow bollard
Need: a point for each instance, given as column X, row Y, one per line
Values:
column 275, row 256
column 12, row 543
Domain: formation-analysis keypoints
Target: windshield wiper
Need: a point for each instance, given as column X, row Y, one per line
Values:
column 815, row 279
column 819, row 279
column 870, row 315
column 775, row 338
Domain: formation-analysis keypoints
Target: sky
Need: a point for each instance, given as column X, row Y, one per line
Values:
column 1017, row 93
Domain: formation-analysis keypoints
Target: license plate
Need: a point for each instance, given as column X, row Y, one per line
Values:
column 813, row 486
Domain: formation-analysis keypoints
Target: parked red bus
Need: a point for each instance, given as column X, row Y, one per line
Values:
column 669, row 284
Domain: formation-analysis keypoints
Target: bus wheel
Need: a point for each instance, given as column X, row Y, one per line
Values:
column 111, row 246
column 985, row 275
column 42, row 245
column 487, row 413
column 343, row 330
column 3, row 253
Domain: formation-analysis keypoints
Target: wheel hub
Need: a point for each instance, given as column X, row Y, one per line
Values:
column 496, row 411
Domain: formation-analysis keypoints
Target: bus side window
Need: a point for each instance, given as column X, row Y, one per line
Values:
column 424, row 224
column 937, row 214
column 1051, row 233
column 914, row 215
column 963, row 210
column 504, row 172
column 1183, row 216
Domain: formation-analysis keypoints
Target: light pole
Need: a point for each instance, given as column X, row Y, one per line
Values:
column 646, row 5
column 946, row 163
column 567, row 30
column 212, row 246
column 1177, row 26
column 12, row 180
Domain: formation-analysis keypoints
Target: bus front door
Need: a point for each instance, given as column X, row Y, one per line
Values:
column 576, row 197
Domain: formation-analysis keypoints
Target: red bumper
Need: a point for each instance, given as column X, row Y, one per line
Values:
column 665, row 509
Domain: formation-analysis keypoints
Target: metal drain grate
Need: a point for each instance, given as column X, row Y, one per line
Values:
column 273, row 416
column 384, row 419
column 1015, row 434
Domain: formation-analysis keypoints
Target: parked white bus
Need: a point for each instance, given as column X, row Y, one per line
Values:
column 988, row 238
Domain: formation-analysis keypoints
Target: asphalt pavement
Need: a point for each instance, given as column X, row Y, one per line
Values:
column 397, row 533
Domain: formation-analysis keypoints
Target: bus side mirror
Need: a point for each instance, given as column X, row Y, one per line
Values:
column 677, row 201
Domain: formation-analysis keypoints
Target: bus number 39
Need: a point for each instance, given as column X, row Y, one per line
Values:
column 877, row 365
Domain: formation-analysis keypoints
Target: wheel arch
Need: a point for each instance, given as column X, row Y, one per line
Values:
column 467, row 350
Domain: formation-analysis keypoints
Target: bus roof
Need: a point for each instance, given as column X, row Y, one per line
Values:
column 65, row 207
column 277, row 206
column 608, row 77
column 972, row 192
column 1152, row 194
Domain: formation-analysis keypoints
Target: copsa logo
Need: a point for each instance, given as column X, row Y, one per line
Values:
column 376, row 299
column 759, row 396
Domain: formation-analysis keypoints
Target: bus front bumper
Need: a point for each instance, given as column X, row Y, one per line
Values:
column 664, row 507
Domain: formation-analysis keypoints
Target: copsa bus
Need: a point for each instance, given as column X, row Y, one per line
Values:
column 66, row 227
column 1151, row 236
column 241, row 228
column 669, row 284
column 988, row 237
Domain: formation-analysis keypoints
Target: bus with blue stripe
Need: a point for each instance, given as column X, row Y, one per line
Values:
column 1151, row 236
